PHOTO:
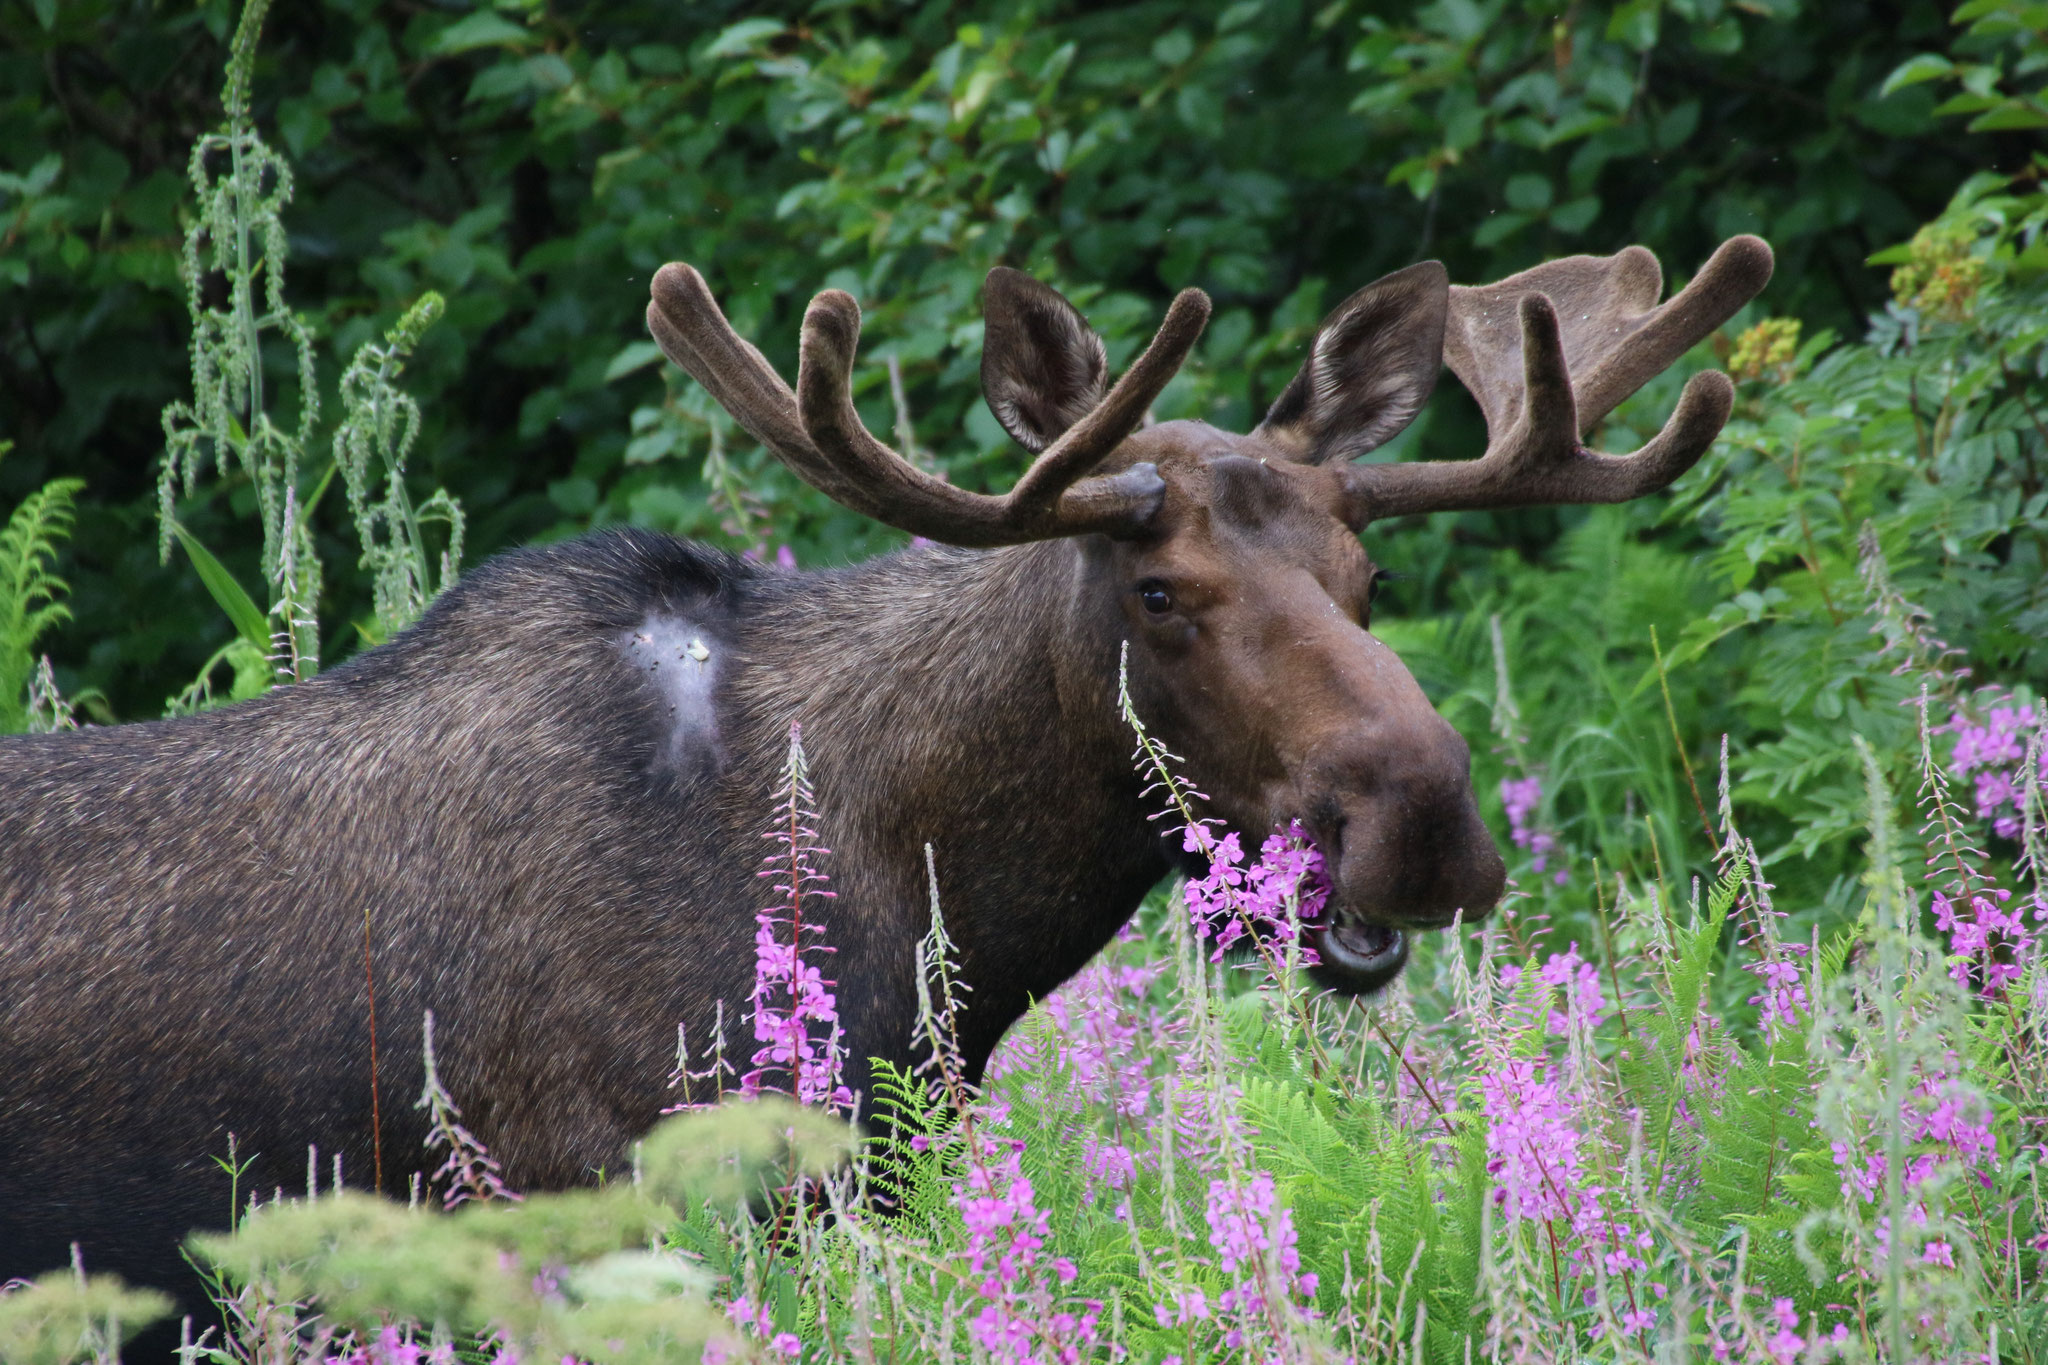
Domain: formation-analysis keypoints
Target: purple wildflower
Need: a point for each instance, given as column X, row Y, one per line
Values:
column 1786, row 1344
column 1783, row 1002
column 1988, row 938
column 754, row 1321
column 1995, row 752
column 1538, row 1157
column 1019, row 1320
column 1254, row 1238
column 1520, row 797
column 795, row 1013
column 1288, row 885
column 1532, row 1147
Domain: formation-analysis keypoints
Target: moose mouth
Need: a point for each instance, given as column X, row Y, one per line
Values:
column 1351, row 954
column 1356, row 957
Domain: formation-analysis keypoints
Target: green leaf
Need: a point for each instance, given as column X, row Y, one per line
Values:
column 743, row 37
column 636, row 355
column 482, row 29
column 1499, row 227
column 1575, row 215
column 1968, row 104
column 1173, row 47
column 2012, row 117
column 250, row 622
column 1924, row 67
column 1529, row 193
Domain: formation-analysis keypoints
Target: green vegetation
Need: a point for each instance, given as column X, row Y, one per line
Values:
column 533, row 165
column 1753, row 1052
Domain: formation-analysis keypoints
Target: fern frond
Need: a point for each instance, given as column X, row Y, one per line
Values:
column 30, row 591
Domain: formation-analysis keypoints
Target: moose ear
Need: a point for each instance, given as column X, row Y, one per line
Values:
column 1042, row 368
column 1369, row 371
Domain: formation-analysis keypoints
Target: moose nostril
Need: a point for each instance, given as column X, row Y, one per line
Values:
column 1325, row 820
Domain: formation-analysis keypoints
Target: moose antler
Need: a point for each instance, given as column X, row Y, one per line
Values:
column 1518, row 344
column 817, row 433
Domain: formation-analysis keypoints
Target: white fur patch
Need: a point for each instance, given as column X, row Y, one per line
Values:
column 682, row 663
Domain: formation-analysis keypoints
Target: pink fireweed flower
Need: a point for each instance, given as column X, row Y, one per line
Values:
column 1576, row 983
column 1234, row 900
column 1537, row 1157
column 752, row 1320
column 1995, row 752
column 1988, row 937
column 794, row 1011
column 1006, row 1230
column 1189, row 1305
column 1112, row 1165
column 1786, row 1343
column 1520, row 797
column 1532, row 1147
column 1995, row 789
column 1948, row 1125
column 1783, row 1003
column 1255, row 1241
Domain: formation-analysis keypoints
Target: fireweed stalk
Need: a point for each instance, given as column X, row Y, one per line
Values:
column 795, row 1013
column 1017, row 1308
column 1265, row 904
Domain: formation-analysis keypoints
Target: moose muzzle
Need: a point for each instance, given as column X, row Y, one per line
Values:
column 1394, row 816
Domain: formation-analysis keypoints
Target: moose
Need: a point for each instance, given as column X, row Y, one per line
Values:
column 538, row 811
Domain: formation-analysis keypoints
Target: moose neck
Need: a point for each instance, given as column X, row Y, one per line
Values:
column 965, row 700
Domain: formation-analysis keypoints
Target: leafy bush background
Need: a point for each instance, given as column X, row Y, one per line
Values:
column 534, row 164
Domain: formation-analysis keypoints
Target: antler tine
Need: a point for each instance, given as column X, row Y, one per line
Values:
column 692, row 330
column 1616, row 339
column 1541, row 461
column 1736, row 273
column 1052, row 498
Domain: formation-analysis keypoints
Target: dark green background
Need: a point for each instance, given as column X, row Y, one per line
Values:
column 535, row 163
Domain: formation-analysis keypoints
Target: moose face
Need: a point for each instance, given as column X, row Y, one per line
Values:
column 1248, row 620
column 1247, row 603
column 1231, row 565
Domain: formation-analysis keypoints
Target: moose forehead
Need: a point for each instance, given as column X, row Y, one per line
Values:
column 1244, row 493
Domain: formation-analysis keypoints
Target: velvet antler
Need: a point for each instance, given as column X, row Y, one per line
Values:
column 817, row 433
column 1548, row 353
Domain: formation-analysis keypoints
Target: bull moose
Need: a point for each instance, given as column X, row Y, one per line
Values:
column 539, row 808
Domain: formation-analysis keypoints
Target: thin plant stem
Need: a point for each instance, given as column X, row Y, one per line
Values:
column 376, row 1112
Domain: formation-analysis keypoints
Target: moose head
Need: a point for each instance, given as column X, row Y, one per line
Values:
column 1229, row 567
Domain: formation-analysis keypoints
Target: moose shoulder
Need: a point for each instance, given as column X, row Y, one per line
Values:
column 538, row 812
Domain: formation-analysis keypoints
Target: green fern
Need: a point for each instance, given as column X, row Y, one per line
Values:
column 31, row 594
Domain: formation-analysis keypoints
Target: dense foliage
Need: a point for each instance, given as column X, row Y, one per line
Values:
column 534, row 164
column 1749, row 1066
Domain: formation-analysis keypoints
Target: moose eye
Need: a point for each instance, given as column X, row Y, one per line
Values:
column 1373, row 584
column 1153, row 593
column 1380, row 577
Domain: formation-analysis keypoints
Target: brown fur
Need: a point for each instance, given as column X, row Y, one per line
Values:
column 183, row 902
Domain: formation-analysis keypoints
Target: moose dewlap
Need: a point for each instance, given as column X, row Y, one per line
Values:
column 539, row 810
